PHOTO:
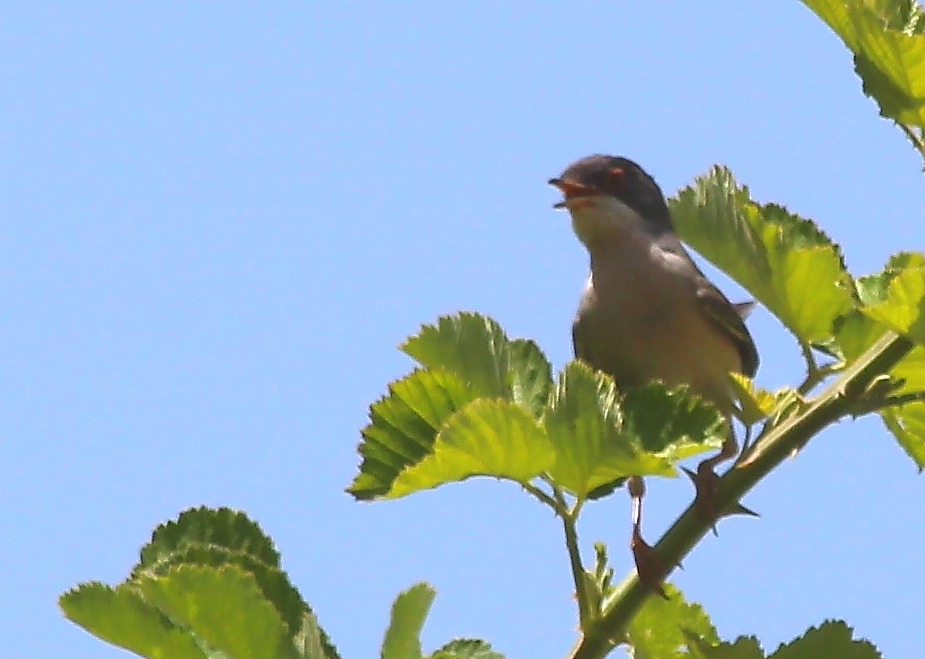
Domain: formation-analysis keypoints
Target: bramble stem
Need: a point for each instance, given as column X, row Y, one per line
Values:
column 777, row 443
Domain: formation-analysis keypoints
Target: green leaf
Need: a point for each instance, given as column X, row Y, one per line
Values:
column 903, row 306
column 756, row 403
column 217, row 537
column 486, row 438
column 662, row 628
column 583, row 427
column 872, row 289
column 221, row 527
column 530, row 376
column 855, row 333
column 403, row 426
column 599, row 579
column 744, row 647
column 769, row 251
column 907, row 423
column 466, row 648
column 858, row 330
column 886, row 39
column 312, row 642
column 223, row 608
column 906, row 16
column 403, row 636
column 671, row 423
column 891, row 298
column 597, row 440
column 194, row 568
column 122, row 617
column 465, row 357
column 831, row 640
column 476, row 350
column 273, row 582
column 472, row 347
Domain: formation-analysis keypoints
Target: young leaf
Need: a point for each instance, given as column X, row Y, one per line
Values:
column 599, row 579
column 784, row 260
column 403, row 636
column 121, row 616
column 889, row 51
column 756, row 403
column 466, row 648
column 486, row 438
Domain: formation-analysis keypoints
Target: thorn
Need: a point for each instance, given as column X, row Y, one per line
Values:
column 738, row 509
column 706, row 483
column 648, row 564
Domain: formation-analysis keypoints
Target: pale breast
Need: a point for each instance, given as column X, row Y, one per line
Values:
column 639, row 320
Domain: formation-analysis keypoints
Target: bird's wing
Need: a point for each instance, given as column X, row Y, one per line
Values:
column 579, row 344
column 727, row 318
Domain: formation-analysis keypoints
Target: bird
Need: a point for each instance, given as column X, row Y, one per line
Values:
column 648, row 312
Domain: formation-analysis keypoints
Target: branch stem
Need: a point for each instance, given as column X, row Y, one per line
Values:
column 772, row 449
column 569, row 516
column 542, row 496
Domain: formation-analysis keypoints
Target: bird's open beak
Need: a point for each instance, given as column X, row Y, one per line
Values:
column 572, row 191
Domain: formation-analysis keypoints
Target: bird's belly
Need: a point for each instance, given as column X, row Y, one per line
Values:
column 680, row 346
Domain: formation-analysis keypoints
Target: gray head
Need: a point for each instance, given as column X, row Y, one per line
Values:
column 609, row 195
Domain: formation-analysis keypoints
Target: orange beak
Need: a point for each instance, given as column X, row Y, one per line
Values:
column 572, row 191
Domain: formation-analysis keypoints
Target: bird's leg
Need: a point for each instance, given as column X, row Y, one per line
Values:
column 746, row 444
column 648, row 565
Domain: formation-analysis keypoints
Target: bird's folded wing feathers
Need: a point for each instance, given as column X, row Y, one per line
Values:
column 728, row 318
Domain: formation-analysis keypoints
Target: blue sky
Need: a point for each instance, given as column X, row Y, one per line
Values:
column 219, row 220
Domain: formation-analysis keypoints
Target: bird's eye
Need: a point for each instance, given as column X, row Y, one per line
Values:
column 615, row 178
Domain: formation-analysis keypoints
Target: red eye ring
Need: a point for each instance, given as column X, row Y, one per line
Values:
column 615, row 178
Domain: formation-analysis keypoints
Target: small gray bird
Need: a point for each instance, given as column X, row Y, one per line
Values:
column 648, row 312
